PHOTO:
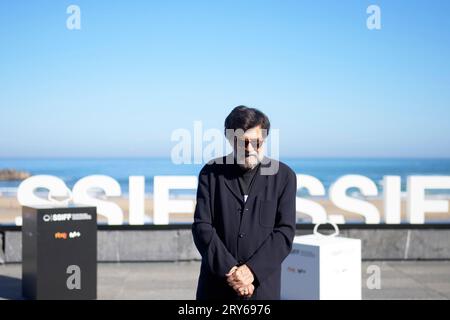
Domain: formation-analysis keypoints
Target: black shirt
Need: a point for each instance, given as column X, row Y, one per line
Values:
column 246, row 178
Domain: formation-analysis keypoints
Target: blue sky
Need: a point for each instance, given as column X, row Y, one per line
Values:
column 137, row 70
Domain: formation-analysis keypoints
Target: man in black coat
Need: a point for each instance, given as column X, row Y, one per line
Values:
column 244, row 221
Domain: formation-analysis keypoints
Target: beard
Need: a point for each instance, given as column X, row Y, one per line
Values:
column 249, row 161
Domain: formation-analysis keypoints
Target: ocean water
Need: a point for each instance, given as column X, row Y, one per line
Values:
column 327, row 170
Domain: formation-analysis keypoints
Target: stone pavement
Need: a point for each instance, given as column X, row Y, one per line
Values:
column 177, row 280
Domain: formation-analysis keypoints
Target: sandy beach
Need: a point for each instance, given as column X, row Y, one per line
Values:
column 10, row 208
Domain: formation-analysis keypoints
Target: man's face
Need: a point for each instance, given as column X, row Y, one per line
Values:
column 249, row 147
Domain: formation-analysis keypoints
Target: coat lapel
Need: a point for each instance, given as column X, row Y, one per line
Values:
column 233, row 185
column 231, row 178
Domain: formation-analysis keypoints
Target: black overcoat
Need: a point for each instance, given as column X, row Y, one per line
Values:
column 229, row 232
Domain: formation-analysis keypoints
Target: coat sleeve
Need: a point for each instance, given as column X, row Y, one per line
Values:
column 277, row 246
column 219, row 260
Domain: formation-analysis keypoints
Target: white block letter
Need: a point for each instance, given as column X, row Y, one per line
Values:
column 417, row 205
column 338, row 195
column 309, row 207
column 162, row 203
column 137, row 200
column 392, row 199
column 111, row 188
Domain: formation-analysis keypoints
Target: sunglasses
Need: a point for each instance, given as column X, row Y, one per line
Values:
column 256, row 143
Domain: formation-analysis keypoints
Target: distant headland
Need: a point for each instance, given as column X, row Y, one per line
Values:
column 11, row 174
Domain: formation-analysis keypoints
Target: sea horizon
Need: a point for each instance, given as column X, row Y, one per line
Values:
column 326, row 169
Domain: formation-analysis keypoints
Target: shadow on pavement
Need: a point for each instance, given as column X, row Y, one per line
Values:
column 10, row 288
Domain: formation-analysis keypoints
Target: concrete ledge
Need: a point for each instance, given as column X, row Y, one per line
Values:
column 169, row 245
column 401, row 244
column 177, row 245
column 125, row 246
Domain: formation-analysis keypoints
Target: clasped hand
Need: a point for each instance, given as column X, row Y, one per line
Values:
column 241, row 280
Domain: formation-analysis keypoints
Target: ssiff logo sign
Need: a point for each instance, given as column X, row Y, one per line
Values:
column 418, row 204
